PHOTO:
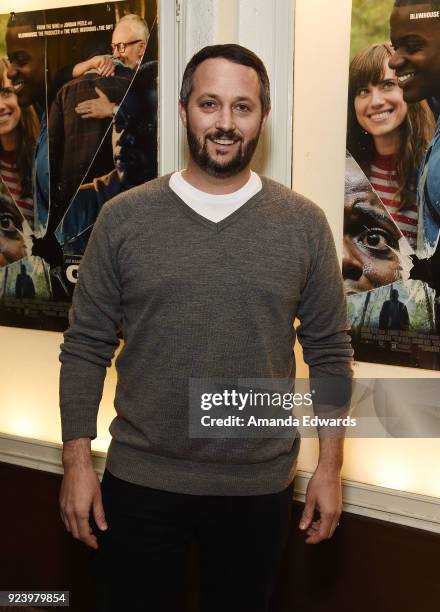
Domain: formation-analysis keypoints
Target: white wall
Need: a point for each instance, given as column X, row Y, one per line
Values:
column 28, row 390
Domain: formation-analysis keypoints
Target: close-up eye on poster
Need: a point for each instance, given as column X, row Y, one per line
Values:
column 391, row 260
column 78, row 125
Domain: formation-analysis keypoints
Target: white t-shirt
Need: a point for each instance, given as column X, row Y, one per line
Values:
column 214, row 207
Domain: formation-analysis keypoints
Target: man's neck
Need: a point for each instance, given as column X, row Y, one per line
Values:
column 198, row 178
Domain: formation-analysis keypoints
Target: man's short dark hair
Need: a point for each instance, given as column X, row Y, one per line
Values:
column 233, row 53
column 435, row 4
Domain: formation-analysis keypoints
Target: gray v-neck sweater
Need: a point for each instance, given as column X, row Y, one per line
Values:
column 198, row 299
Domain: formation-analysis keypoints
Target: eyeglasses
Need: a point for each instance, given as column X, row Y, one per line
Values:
column 122, row 46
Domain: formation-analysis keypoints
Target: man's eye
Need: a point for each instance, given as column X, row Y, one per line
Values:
column 412, row 47
column 20, row 60
column 7, row 223
column 377, row 239
column 209, row 104
column 243, row 108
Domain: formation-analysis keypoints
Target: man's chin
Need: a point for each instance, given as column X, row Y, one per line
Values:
column 412, row 94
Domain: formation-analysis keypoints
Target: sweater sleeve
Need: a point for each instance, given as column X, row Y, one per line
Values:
column 91, row 339
column 322, row 310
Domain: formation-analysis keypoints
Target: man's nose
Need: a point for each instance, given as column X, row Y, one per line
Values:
column 352, row 267
column 396, row 61
column 11, row 72
column 225, row 120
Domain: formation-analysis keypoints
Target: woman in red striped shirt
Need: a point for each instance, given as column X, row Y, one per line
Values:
column 19, row 129
column 387, row 137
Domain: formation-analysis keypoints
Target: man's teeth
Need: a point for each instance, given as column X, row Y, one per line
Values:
column 223, row 141
column 18, row 85
column 404, row 77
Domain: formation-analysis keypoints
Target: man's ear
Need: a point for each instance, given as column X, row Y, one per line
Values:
column 182, row 113
column 264, row 120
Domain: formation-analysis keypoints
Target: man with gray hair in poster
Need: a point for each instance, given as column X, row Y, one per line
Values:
column 204, row 271
column 129, row 42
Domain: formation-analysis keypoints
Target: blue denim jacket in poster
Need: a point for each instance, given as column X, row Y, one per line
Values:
column 40, row 180
column 428, row 196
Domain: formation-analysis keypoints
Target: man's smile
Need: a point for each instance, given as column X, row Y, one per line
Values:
column 404, row 78
column 18, row 85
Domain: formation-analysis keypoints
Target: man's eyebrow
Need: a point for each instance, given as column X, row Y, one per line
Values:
column 216, row 97
column 366, row 209
column 406, row 39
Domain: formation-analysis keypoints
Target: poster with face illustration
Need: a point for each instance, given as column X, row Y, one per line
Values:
column 391, row 255
column 78, row 125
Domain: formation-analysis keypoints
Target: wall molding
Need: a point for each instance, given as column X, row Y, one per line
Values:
column 398, row 507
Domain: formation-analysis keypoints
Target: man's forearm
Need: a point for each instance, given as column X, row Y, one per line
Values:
column 331, row 455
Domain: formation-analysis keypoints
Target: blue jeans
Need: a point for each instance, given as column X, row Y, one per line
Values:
column 140, row 562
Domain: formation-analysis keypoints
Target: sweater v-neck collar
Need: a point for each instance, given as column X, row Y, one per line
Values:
column 217, row 227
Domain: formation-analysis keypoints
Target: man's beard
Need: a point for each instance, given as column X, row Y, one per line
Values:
column 201, row 156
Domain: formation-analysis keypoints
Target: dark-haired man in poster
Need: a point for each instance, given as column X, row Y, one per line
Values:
column 415, row 35
column 75, row 143
column 27, row 71
column 394, row 314
column 134, row 145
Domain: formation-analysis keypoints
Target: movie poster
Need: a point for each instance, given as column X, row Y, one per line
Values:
column 391, row 255
column 78, row 125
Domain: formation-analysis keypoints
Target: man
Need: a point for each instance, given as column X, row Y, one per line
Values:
column 394, row 314
column 205, row 272
column 27, row 72
column 129, row 42
column 24, row 285
column 74, row 143
column 415, row 35
column 134, row 146
column 371, row 238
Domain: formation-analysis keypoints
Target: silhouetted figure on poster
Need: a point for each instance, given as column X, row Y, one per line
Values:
column 394, row 314
column 24, row 285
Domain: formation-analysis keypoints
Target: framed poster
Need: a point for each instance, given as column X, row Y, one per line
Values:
column 391, row 266
column 78, row 125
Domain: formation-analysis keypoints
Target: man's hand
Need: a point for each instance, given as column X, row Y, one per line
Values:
column 97, row 108
column 324, row 492
column 80, row 492
column 104, row 65
column 324, row 495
